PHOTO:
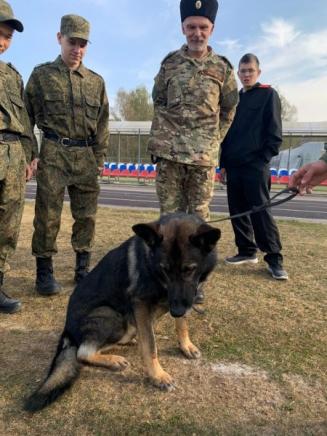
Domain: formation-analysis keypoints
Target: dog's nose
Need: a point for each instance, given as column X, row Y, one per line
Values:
column 177, row 311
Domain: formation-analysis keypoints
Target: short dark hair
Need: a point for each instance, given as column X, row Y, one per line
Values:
column 248, row 58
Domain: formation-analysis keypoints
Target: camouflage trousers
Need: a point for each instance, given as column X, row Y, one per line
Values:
column 60, row 167
column 184, row 188
column 12, row 193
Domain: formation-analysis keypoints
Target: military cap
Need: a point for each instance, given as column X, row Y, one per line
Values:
column 75, row 26
column 201, row 8
column 7, row 16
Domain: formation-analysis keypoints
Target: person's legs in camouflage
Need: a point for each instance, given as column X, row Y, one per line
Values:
column 170, row 186
column 83, row 193
column 48, row 207
column 12, row 191
column 84, row 199
column 51, row 182
column 199, row 187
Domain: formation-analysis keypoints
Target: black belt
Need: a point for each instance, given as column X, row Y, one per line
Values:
column 68, row 142
column 9, row 137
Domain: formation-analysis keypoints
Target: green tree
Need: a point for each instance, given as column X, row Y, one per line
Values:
column 135, row 105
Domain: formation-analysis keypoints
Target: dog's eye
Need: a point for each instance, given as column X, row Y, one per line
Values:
column 189, row 268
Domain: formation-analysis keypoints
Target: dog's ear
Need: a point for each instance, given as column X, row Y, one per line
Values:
column 206, row 237
column 149, row 233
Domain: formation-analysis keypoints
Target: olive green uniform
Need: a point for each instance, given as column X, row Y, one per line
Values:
column 67, row 104
column 16, row 143
column 194, row 105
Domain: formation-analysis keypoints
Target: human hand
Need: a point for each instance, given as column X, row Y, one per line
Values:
column 28, row 173
column 309, row 176
column 34, row 164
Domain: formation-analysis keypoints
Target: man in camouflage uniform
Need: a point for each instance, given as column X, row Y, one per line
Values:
column 195, row 95
column 68, row 102
column 15, row 150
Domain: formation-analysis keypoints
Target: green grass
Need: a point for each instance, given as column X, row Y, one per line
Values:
column 275, row 331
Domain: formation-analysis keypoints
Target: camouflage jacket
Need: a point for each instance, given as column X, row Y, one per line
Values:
column 194, row 106
column 13, row 115
column 72, row 104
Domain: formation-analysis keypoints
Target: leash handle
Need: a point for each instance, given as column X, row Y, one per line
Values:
column 293, row 192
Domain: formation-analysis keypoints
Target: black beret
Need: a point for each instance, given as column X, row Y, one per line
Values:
column 201, row 8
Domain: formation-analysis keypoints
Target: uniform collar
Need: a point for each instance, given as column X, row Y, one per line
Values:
column 184, row 52
column 81, row 70
column 256, row 85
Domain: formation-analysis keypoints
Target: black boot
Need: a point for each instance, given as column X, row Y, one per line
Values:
column 46, row 284
column 82, row 265
column 7, row 304
column 199, row 296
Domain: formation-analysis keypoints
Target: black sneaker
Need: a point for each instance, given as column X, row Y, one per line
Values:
column 239, row 259
column 277, row 272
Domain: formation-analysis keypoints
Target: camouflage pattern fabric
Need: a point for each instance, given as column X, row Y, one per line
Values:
column 194, row 103
column 13, row 115
column 74, row 26
column 13, row 119
column 72, row 104
column 12, row 192
column 76, row 168
column 184, row 188
column 7, row 15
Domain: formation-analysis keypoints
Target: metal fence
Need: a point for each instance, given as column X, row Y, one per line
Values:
column 128, row 148
column 302, row 143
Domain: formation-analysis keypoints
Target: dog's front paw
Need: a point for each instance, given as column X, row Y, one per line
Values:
column 190, row 351
column 116, row 363
column 163, row 381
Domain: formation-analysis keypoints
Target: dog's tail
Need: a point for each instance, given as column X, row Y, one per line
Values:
column 63, row 372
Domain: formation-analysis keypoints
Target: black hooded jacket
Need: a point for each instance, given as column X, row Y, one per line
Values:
column 255, row 135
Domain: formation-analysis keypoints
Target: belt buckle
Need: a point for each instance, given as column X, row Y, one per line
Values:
column 63, row 143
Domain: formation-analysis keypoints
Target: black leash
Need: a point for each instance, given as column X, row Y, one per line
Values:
column 293, row 192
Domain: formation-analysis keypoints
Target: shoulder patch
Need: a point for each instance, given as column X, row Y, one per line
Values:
column 226, row 61
column 10, row 65
column 169, row 55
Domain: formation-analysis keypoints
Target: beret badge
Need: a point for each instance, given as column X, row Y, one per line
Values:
column 198, row 4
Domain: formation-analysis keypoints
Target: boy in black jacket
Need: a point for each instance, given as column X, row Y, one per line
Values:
column 253, row 139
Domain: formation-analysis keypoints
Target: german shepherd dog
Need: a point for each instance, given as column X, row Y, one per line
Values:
column 156, row 271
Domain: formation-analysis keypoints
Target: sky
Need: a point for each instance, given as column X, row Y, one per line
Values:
column 129, row 38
